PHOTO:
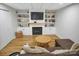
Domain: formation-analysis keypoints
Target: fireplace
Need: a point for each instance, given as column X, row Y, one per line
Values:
column 36, row 30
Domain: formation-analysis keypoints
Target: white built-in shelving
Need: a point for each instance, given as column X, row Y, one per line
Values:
column 24, row 18
column 49, row 18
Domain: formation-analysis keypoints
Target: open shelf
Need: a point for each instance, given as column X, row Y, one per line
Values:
column 49, row 18
column 24, row 19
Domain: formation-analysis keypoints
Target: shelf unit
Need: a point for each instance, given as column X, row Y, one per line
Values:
column 23, row 18
column 49, row 18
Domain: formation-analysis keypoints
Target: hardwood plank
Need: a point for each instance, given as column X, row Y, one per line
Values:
column 16, row 44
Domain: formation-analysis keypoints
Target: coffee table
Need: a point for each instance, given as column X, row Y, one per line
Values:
column 43, row 40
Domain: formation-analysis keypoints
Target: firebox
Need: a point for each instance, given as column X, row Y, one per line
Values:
column 36, row 30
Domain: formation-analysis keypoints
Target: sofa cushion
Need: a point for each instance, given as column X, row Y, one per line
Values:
column 36, row 49
column 65, row 43
column 53, row 48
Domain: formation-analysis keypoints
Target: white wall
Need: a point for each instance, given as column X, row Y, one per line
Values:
column 67, row 22
column 8, row 25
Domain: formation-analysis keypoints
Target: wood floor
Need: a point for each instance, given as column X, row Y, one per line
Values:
column 16, row 44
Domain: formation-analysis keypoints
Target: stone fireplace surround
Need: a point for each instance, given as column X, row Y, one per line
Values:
column 45, row 30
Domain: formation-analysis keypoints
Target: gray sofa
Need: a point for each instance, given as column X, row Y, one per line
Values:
column 60, row 44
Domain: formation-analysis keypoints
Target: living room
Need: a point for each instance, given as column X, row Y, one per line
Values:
column 41, row 26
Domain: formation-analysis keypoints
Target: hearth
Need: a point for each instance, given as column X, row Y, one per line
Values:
column 36, row 30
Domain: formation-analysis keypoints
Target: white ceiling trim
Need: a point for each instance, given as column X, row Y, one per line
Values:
column 37, row 6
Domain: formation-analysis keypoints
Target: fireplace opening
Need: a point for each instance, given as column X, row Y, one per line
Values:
column 36, row 30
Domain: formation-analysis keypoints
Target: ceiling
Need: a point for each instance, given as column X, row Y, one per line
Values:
column 37, row 6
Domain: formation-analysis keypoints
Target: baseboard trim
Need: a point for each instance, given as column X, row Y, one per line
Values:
column 59, row 36
column 6, row 43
